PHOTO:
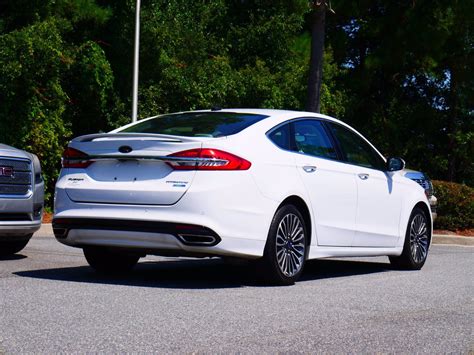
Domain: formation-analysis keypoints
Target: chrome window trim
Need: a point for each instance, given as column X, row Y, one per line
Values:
column 317, row 157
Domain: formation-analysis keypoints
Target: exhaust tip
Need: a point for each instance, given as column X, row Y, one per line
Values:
column 198, row 240
column 60, row 233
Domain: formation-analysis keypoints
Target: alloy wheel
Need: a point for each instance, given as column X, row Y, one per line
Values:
column 419, row 238
column 290, row 245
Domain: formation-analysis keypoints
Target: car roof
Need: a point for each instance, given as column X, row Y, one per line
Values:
column 274, row 117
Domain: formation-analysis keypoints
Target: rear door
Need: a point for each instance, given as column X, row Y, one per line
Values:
column 330, row 184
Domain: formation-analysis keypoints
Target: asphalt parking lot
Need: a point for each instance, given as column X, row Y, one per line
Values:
column 51, row 301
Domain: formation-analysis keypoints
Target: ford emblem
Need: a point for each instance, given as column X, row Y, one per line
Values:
column 125, row 149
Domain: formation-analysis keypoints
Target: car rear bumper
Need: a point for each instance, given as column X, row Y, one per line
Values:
column 229, row 206
column 148, row 237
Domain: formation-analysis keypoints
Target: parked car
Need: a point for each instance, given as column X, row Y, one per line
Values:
column 21, row 198
column 277, row 186
column 424, row 181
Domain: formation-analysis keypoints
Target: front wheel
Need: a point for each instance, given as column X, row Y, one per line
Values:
column 110, row 262
column 285, row 252
column 417, row 242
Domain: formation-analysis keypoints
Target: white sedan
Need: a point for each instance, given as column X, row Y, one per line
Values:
column 277, row 186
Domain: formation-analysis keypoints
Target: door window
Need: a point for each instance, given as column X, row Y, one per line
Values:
column 355, row 149
column 310, row 138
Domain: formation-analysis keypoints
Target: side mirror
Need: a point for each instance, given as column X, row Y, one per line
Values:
column 395, row 164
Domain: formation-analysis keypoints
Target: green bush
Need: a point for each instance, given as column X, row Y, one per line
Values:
column 455, row 206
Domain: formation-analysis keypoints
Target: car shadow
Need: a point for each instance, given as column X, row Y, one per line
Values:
column 202, row 274
column 12, row 257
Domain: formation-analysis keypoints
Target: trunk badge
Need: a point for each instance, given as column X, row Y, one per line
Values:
column 125, row 149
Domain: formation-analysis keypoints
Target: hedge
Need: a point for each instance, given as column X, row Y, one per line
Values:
column 455, row 206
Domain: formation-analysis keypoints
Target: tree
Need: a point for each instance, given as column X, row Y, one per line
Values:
column 409, row 81
column 53, row 81
column 317, row 23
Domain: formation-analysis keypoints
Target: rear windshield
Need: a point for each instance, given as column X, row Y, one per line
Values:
column 197, row 124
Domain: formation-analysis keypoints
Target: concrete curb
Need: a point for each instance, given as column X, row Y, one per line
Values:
column 453, row 239
column 47, row 230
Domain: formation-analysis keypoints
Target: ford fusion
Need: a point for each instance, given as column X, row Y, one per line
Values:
column 280, row 187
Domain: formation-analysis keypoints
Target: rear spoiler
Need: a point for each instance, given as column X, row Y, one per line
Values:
column 139, row 136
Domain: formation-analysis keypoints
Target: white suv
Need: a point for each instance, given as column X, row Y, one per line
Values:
column 278, row 186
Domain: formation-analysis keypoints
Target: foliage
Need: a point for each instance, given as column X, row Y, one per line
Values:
column 455, row 206
column 33, row 100
column 409, row 79
column 51, row 87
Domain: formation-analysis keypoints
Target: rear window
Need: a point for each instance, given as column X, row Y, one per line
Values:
column 197, row 124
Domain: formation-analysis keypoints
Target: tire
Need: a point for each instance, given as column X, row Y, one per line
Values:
column 110, row 262
column 13, row 246
column 417, row 242
column 286, row 248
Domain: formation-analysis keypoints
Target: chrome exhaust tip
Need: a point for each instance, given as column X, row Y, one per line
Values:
column 60, row 233
column 197, row 239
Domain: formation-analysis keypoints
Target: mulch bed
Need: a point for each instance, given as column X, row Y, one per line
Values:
column 47, row 217
column 464, row 232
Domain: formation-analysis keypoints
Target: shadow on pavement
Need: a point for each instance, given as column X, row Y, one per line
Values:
column 12, row 257
column 202, row 274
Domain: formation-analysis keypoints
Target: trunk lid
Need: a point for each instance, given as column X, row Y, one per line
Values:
column 130, row 168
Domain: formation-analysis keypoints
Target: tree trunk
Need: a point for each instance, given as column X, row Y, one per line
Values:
column 452, row 123
column 318, row 18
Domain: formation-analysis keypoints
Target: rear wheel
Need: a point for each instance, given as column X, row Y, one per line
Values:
column 417, row 242
column 11, row 247
column 285, row 251
column 106, row 261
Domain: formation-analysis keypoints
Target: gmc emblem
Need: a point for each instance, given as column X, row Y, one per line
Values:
column 6, row 171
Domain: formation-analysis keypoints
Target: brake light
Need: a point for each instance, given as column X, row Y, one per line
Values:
column 73, row 158
column 208, row 159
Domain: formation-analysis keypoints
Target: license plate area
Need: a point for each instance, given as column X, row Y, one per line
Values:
column 128, row 170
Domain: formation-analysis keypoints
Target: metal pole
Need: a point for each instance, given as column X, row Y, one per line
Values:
column 135, row 62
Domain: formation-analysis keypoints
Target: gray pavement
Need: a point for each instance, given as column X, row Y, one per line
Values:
column 51, row 301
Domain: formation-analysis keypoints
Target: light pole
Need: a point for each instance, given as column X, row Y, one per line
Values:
column 136, row 62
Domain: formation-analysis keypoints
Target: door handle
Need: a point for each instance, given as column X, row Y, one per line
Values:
column 309, row 168
column 363, row 176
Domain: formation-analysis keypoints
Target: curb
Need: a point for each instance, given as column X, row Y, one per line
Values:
column 47, row 230
column 455, row 239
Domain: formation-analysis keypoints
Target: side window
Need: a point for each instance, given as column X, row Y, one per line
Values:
column 356, row 149
column 281, row 136
column 312, row 139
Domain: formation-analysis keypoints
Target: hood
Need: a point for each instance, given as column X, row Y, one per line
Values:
column 11, row 152
column 413, row 174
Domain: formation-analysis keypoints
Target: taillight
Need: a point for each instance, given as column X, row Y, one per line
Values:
column 208, row 159
column 73, row 158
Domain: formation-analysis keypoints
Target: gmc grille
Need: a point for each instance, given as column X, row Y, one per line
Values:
column 19, row 184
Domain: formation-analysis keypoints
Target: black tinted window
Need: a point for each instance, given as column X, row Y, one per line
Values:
column 197, row 124
column 281, row 136
column 312, row 139
column 356, row 150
